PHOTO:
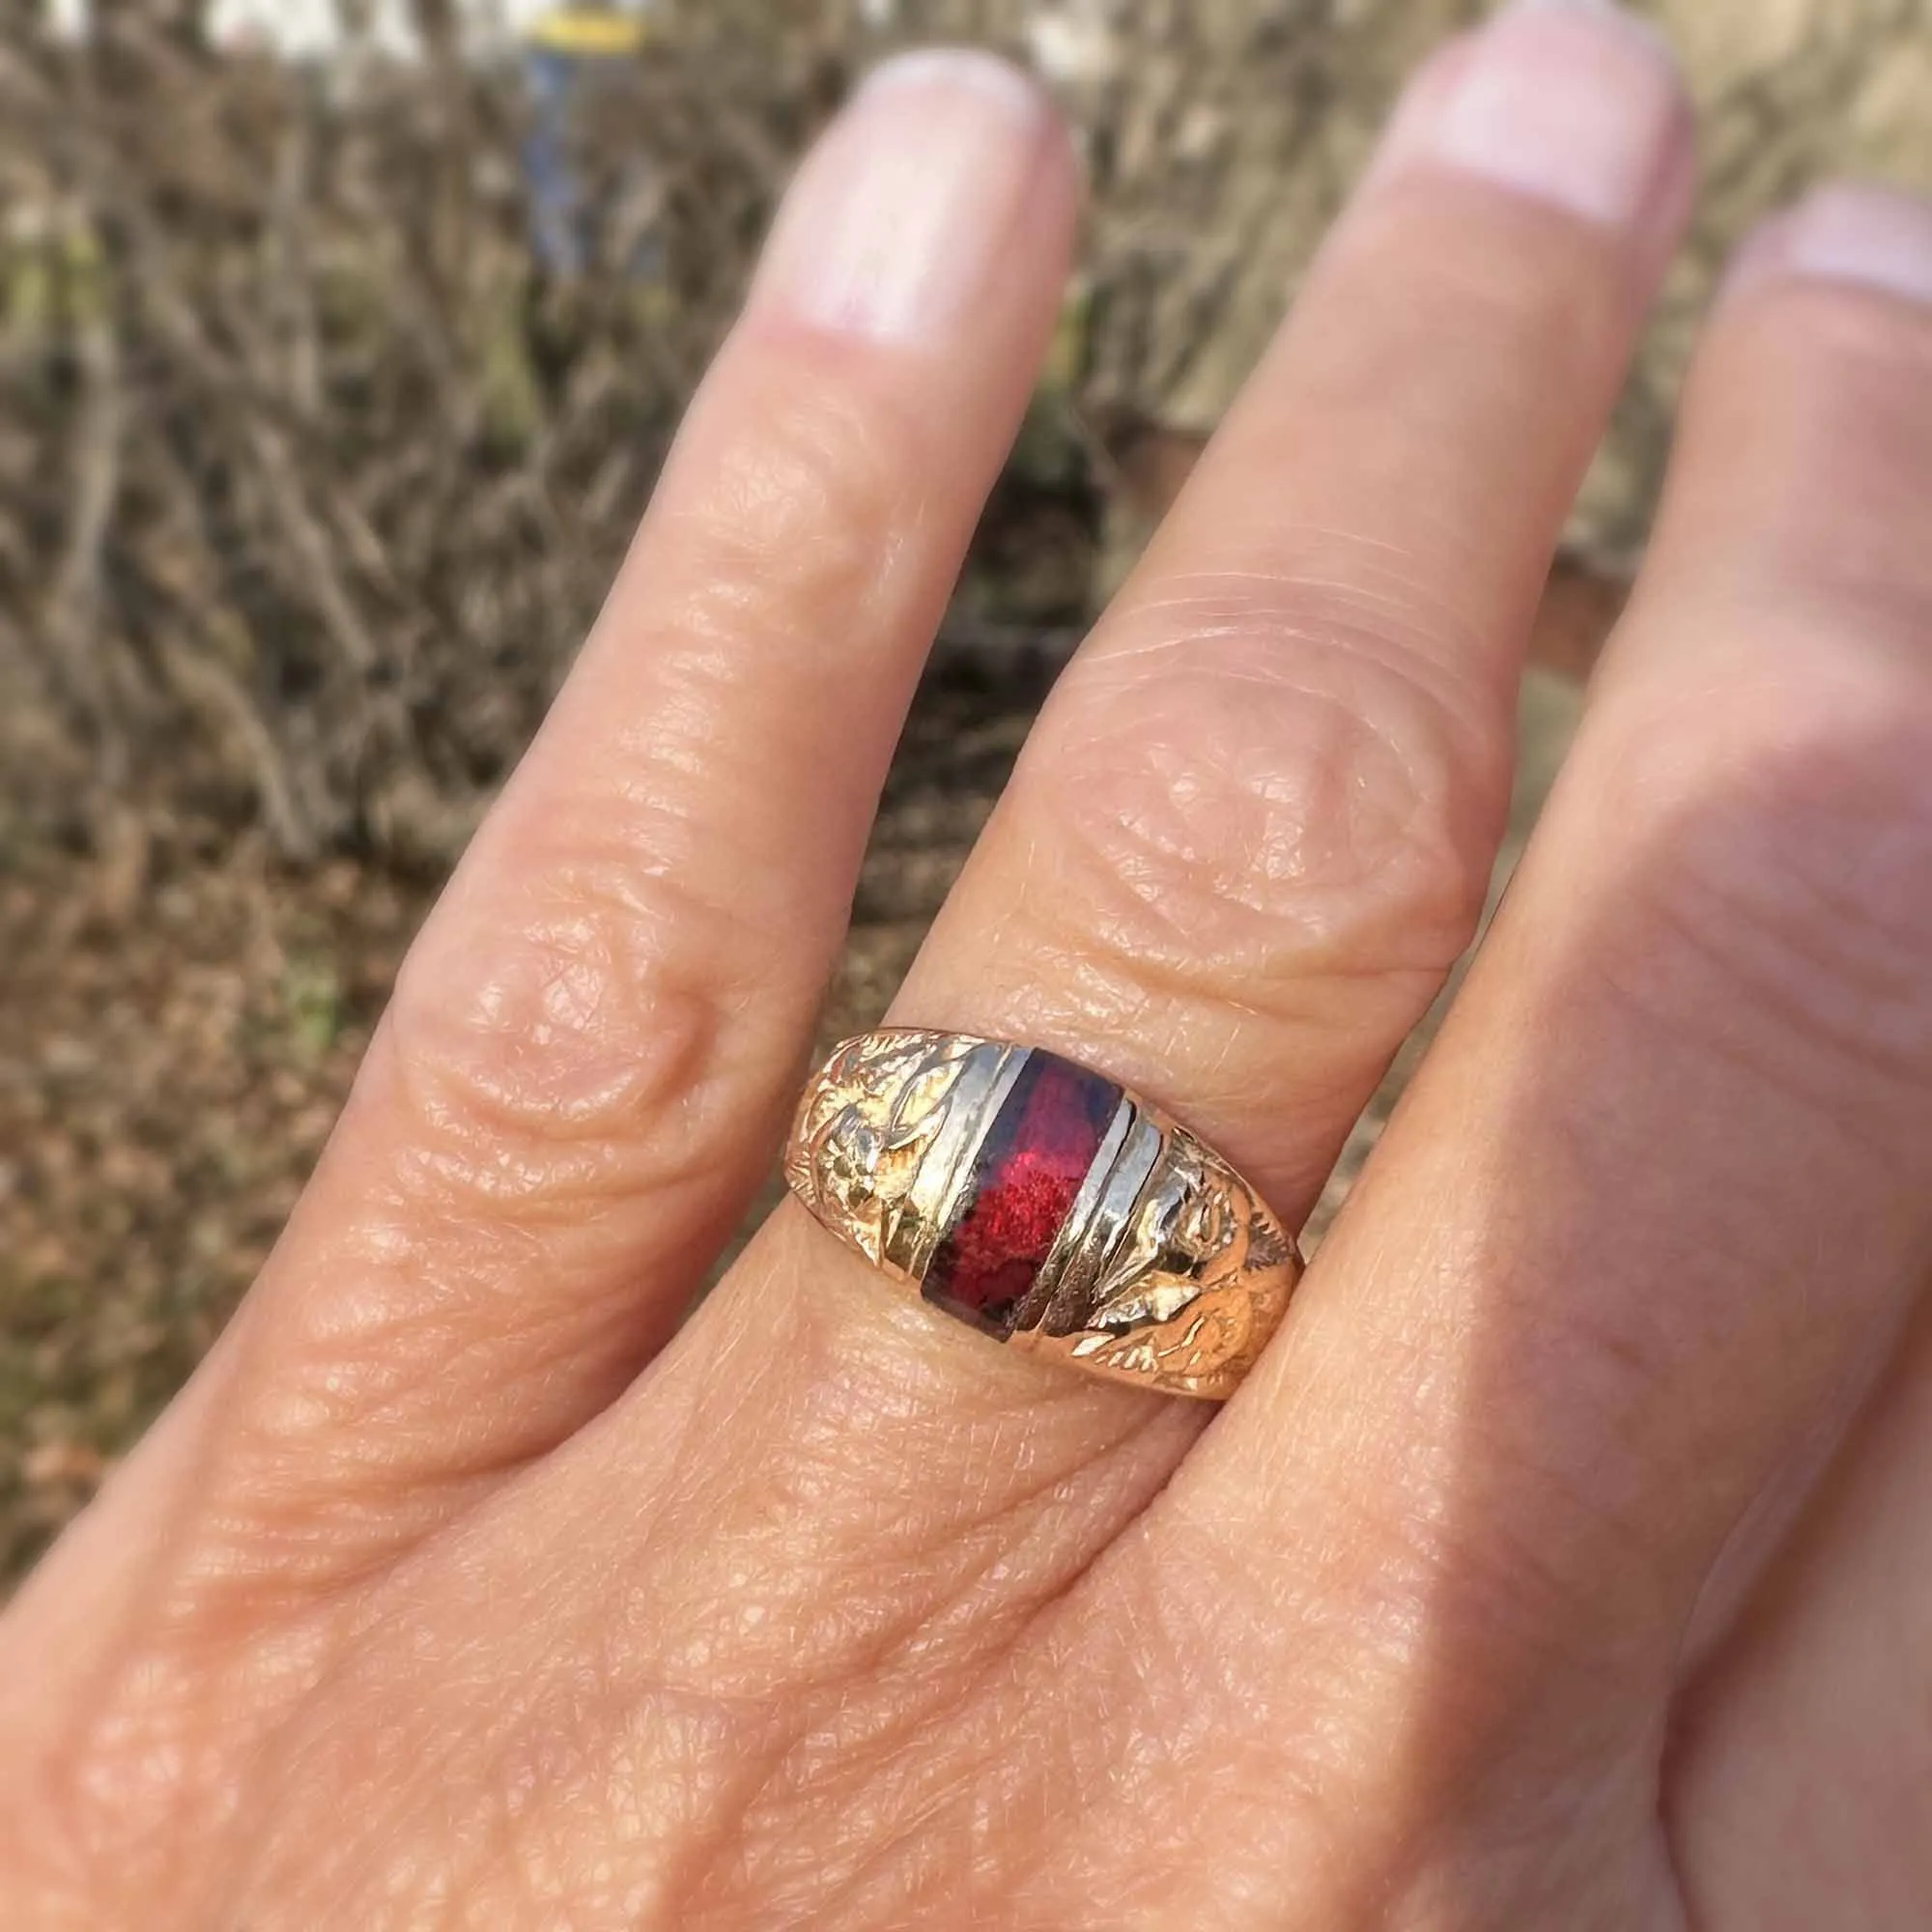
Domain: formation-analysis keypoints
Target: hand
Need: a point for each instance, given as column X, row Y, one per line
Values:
column 1567, row 1562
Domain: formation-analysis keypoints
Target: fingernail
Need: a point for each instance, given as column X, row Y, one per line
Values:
column 1875, row 237
column 1573, row 102
column 900, row 216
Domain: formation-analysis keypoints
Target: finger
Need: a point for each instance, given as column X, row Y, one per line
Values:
column 1802, row 1761
column 822, row 1509
column 1255, row 826
column 1661, row 1192
column 593, row 1045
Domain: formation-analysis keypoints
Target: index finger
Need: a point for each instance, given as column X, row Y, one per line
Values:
column 593, row 1045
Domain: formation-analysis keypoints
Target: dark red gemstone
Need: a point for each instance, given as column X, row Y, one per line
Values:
column 1030, row 1167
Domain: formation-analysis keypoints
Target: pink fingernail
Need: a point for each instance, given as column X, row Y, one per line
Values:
column 1570, row 102
column 1876, row 237
column 898, row 218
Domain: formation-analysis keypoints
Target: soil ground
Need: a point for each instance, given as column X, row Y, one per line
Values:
column 174, row 1049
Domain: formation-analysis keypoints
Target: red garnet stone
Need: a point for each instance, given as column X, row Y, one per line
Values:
column 1030, row 1167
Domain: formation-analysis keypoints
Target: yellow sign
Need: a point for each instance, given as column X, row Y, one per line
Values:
column 591, row 30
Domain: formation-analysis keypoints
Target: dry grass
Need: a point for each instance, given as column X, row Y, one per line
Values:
column 309, row 482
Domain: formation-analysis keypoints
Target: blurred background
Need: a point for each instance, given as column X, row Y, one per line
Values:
column 339, row 343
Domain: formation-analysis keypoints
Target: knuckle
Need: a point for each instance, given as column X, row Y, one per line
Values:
column 596, row 1019
column 1260, row 781
column 580, row 1051
column 1784, row 853
column 789, row 521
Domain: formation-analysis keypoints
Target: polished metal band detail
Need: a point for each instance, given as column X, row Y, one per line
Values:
column 1044, row 1204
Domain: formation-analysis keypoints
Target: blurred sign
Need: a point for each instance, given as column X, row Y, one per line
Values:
column 577, row 60
column 589, row 33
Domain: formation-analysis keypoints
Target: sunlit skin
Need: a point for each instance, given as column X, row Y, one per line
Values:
column 1568, row 1560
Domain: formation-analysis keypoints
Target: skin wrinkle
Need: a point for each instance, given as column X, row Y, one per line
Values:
column 1294, row 1783
column 1426, row 641
column 1760, row 1061
column 840, row 1427
column 1376, row 846
column 91, row 1677
column 1314, row 573
column 1372, row 659
column 794, row 1786
column 1826, row 955
column 376, row 1388
column 1582, row 1346
column 1139, row 1653
column 1140, row 1760
column 495, row 1103
column 987, row 1533
column 390, row 1607
column 377, row 1385
column 601, row 1126
column 785, row 523
column 1116, row 979
column 1157, row 821
column 1407, row 1555
column 697, row 676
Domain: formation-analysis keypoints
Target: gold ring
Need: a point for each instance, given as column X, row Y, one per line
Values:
column 1045, row 1205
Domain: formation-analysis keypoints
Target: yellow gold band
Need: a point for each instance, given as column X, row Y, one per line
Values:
column 1045, row 1205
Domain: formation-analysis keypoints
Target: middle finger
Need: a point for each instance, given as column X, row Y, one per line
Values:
column 1254, row 829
